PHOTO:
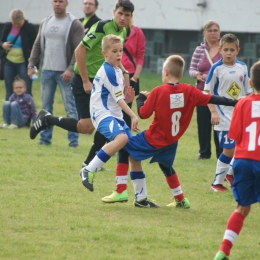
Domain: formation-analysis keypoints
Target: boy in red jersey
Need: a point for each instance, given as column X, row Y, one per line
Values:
column 245, row 130
column 172, row 104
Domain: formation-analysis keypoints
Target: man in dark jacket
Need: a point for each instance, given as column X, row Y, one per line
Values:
column 89, row 8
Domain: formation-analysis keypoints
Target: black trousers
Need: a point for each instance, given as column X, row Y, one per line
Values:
column 204, row 133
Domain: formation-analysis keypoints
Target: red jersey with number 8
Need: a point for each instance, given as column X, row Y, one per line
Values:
column 173, row 106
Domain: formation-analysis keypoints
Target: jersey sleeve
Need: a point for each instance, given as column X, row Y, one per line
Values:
column 92, row 37
column 114, row 87
column 235, row 124
column 211, row 81
column 248, row 89
column 149, row 106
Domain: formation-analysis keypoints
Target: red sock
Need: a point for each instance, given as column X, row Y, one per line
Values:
column 173, row 182
column 235, row 224
column 121, row 177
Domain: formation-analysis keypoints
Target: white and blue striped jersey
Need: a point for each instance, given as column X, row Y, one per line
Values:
column 107, row 90
column 230, row 82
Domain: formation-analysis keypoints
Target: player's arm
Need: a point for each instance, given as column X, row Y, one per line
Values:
column 145, row 107
column 129, row 111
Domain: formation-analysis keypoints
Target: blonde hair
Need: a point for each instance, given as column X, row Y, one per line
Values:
column 110, row 39
column 255, row 75
column 229, row 38
column 175, row 65
column 17, row 14
column 207, row 25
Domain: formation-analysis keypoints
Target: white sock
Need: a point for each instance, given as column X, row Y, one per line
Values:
column 139, row 183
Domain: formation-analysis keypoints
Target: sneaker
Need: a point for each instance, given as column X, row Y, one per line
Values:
column 40, row 123
column 98, row 170
column 218, row 188
column 229, row 179
column 116, row 197
column 4, row 125
column 145, row 204
column 12, row 126
column 183, row 204
column 220, row 256
column 87, row 178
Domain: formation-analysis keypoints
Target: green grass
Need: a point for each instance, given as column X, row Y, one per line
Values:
column 46, row 213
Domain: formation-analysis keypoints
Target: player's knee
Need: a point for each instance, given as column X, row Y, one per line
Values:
column 84, row 127
column 122, row 139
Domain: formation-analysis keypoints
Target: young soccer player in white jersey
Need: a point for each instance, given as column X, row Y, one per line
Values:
column 245, row 130
column 229, row 78
column 106, row 104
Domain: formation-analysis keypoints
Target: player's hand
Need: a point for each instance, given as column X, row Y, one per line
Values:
column 134, row 124
column 66, row 76
column 145, row 93
column 129, row 94
column 87, row 85
column 215, row 118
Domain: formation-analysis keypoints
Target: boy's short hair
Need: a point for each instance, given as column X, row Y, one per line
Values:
column 255, row 75
column 110, row 39
column 229, row 38
column 175, row 65
column 127, row 5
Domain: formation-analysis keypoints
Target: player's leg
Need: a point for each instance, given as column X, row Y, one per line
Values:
column 175, row 187
column 223, row 161
column 139, row 183
column 230, row 174
column 246, row 191
column 120, row 194
column 118, row 137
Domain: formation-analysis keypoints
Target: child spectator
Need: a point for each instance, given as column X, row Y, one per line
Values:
column 245, row 130
column 229, row 78
column 20, row 109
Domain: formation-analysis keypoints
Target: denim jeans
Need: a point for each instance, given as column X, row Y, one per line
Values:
column 11, row 70
column 12, row 114
column 49, row 81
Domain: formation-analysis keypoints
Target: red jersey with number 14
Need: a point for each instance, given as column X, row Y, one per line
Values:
column 173, row 106
column 245, row 128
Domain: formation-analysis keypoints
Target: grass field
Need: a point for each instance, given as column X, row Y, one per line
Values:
column 46, row 213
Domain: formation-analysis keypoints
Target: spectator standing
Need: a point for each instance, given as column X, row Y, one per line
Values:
column 58, row 36
column 17, row 40
column 133, row 58
column 203, row 57
column 20, row 109
column 89, row 8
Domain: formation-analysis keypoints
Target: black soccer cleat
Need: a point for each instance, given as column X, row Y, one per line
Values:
column 40, row 123
column 87, row 178
column 145, row 204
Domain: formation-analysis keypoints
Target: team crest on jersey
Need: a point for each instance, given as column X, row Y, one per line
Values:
column 241, row 78
column 234, row 90
column 255, row 112
column 91, row 36
column 118, row 94
column 176, row 100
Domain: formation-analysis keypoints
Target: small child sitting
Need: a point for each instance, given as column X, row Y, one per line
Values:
column 20, row 109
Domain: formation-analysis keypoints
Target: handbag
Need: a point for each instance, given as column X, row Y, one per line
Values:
column 209, row 58
column 3, row 57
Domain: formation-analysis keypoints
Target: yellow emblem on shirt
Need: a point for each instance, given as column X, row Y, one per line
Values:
column 233, row 90
column 118, row 94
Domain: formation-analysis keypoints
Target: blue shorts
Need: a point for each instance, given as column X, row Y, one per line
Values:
column 110, row 127
column 224, row 141
column 139, row 149
column 246, row 184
